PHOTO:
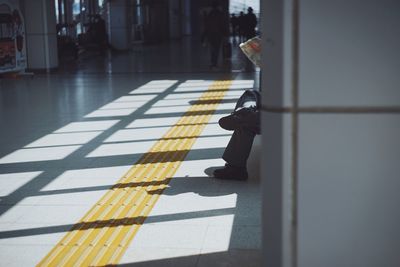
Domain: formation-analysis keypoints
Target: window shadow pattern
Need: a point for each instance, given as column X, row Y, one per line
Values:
column 151, row 157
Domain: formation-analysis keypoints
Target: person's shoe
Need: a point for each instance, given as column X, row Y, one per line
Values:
column 231, row 173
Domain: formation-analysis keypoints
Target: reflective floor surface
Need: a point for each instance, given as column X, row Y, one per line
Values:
column 67, row 138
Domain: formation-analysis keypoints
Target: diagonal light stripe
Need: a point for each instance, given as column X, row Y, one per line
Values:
column 105, row 232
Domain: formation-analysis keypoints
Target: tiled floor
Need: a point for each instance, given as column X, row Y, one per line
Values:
column 66, row 138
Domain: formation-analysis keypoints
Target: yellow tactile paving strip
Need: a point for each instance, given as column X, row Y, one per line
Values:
column 105, row 232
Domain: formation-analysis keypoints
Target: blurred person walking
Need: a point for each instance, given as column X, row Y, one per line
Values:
column 215, row 32
column 234, row 26
column 250, row 24
column 241, row 26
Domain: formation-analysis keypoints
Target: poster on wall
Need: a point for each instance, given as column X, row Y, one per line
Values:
column 12, row 37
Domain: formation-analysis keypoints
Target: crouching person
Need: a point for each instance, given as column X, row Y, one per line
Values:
column 244, row 121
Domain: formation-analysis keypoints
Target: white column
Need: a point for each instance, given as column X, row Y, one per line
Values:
column 175, row 16
column 119, row 24
column 186, row 17
column 41, row 37
column 331, row 127
column 70, row 18
column 277, row 129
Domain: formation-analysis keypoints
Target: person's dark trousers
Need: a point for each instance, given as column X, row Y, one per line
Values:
column 215, row 47
column 248, row 125
column 239, row 147
column 250, row 34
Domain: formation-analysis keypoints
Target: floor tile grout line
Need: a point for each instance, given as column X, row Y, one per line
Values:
column 156, row 145
column 334, row 109
column 207, row 117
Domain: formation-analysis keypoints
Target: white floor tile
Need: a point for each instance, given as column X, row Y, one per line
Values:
column 107, row 150
column 111, row 113
column 191, row 202
column 22, row 255
column 31, row 234
column 86, row 178
column 60, row 139
column 63, row 215
column 124, row 135
column 86, row 126
column 195, row 168
column 77, row 198
column 161, row 257
column 211, row 142
column 170, row 236
column 218, row 238
column 38, row 154
column 9, row 182
column 135, row 98
column 198, row 219
column 166, row 110
column 153, row 122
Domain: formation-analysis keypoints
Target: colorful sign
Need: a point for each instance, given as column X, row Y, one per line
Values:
column 252, row 49
column 12, row 37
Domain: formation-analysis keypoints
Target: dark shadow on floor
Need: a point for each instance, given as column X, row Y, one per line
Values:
column 77, row 160
column 230, row 258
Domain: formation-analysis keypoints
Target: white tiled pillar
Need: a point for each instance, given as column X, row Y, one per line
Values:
column 175, row 19
column 40, row 22
column 276, row 155
column 331, row 127
column 119, row 24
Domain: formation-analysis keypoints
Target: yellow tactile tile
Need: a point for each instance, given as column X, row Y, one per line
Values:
column 105, row 232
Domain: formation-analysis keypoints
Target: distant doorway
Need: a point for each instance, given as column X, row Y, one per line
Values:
column 244, row 19
column 236, row 6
